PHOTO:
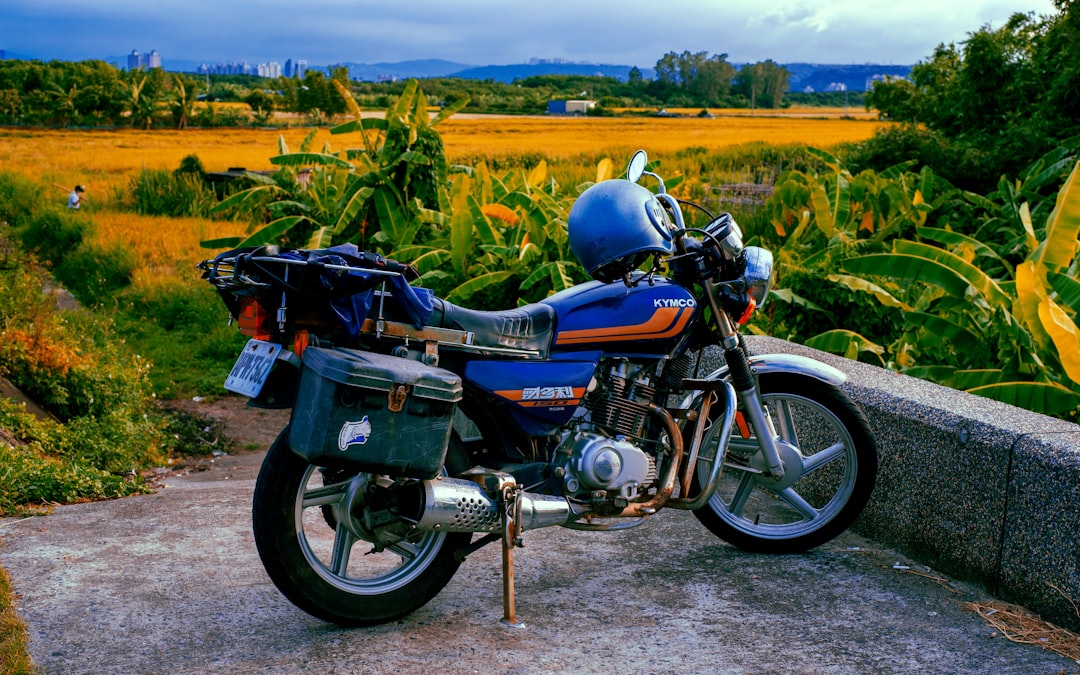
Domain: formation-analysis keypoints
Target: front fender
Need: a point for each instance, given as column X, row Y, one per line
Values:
column 794, row 364
column 791, row 364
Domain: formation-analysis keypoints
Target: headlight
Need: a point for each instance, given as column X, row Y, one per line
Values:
column 758, row 275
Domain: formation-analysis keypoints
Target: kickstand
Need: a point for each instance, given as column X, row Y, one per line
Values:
column 511, row 525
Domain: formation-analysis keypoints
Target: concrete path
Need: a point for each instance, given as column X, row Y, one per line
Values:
column 171, row 583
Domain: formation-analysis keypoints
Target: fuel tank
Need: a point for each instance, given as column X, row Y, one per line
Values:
column 648, row 320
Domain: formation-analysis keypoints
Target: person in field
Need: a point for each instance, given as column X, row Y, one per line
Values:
column 75, row 199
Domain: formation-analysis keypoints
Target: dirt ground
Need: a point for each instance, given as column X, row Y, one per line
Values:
column 236, row 435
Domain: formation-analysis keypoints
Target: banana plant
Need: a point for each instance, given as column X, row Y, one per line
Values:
column 963, row 319
column 823, row 217
column 379, row 195
column 504, row 243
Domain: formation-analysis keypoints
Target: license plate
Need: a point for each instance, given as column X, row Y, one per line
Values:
column 250, row 371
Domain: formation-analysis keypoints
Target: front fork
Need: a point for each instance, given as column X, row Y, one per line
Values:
column 746, row 386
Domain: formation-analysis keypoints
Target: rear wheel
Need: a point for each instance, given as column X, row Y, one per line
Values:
column 333, row 547
column 830, row 465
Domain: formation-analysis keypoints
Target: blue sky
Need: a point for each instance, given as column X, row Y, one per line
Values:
column 481, row 32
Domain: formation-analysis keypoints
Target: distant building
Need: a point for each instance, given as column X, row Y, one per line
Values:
column 576, row 107
column 301, row 69
column 272, row 69
column 137, row 61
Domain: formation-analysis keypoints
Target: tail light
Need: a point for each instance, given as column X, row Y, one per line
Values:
column 252, row 319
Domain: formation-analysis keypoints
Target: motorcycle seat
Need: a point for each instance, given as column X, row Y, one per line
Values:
column 529, row 327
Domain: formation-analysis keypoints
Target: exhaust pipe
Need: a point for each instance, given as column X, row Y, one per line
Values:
column 456, row 505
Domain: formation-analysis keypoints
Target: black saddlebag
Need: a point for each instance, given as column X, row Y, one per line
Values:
column 377, row 413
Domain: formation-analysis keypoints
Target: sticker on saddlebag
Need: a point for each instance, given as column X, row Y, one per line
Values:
column 354, row 433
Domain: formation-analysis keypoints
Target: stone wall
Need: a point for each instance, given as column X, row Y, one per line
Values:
column 980, row 490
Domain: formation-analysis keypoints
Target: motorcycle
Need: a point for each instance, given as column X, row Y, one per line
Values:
column 417, row 424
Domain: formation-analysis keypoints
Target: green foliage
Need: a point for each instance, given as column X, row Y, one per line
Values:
column 1003, row 97
column 53, row 233
column 175, row 325
column 379, row 194
column 75, row 366
column 94, row 272
column 20, row 198
column 1023, row 321
column 160, row 192
column 51, row 463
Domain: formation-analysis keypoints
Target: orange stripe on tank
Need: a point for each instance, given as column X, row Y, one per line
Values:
column 665, row 322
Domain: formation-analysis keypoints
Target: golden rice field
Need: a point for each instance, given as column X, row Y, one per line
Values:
column 104, row 160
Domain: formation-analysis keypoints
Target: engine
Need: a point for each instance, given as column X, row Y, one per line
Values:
column 608, row 459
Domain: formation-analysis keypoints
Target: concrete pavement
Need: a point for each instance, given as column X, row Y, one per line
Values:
column 171, row 583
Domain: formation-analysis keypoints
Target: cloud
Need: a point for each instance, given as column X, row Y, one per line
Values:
column 497, row 31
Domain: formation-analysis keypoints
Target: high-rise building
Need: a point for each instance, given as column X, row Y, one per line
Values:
column 272, row 69
column 288, row 67
column 301, row 69
column 134, row 62
column 153, row 59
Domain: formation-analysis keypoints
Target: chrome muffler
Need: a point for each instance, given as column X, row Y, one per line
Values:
column 458, row 505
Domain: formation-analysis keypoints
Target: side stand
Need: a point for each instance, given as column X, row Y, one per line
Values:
column 511, row 539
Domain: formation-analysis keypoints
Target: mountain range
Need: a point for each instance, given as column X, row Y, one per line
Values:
column 804, row 76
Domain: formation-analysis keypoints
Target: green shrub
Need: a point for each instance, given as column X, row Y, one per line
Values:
column 160, row 192
column 53, row 233
column 176, row 326
column 94, row 272
column 20, row 198
column 33, row 475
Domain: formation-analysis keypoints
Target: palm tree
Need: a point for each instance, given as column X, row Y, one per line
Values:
column 182, row 100
column 140, row 104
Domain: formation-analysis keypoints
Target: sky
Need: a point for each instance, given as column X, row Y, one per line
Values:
column 485, row 32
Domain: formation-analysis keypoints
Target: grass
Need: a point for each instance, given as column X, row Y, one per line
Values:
column 14, row 657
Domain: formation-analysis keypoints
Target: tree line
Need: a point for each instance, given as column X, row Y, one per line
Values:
column 990, row 105
column 95, row 93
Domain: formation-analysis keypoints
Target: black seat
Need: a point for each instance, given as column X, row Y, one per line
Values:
column 529, row 327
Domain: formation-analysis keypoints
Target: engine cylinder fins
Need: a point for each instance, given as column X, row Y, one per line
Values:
column 675, row 371
column 619, row 415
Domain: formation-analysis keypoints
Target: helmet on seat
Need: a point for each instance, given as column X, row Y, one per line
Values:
column 614, row 226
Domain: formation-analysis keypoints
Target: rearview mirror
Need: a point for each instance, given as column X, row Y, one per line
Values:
column 636, row 169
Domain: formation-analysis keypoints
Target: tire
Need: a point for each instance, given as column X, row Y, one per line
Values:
column 830, row 461
column 297, row 545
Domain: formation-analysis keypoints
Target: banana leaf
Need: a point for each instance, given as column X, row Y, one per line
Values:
column 978, row 279
column 1062, row 228
column 846, row 343
column 1065, row 335
column 1068, row 290
column 310, row 158
column 962, row 339
column 1043, row 397
column 863, row 286
column 463, row 292
column 273, row 231
column 910, row 268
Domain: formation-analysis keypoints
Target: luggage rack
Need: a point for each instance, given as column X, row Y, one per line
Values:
column 227, row 273
column 234, row 274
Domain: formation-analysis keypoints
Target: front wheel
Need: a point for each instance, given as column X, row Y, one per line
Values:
column 331, row 545
column 830, row 464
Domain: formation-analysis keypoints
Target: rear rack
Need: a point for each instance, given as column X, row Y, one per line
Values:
column 228, row 273
column 245, row 273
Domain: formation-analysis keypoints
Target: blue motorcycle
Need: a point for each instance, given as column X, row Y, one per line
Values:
column 417, row 424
